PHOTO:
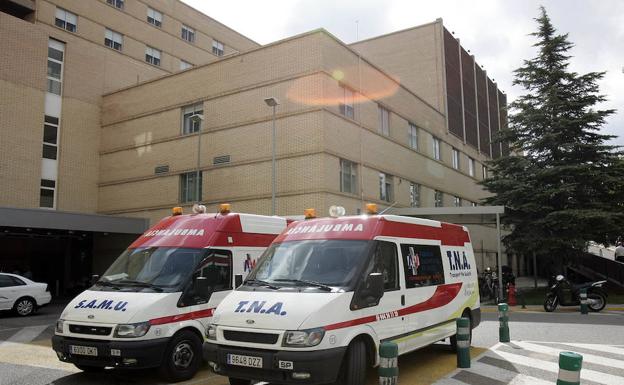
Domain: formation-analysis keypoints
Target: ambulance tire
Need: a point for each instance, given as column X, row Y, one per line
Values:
column 353, row 371
column 183, row 356
column 453, row 338
column 239, row 381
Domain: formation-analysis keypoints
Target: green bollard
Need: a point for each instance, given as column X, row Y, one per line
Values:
column 388, row 363
column 583, row 297
column 463, row 342
column 569, row 368
column 503, row 329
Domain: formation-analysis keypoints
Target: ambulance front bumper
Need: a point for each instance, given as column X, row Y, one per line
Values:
column 308, row 367
column 102, row 353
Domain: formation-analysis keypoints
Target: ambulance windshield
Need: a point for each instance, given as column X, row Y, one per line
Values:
column 157, row 268
column 309, row 263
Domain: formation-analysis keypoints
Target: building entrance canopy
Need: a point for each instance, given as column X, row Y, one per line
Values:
column 62, row 220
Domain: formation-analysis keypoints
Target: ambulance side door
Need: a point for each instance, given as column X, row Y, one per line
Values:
column 216, row 272
column 423, row 272
column 389, row 323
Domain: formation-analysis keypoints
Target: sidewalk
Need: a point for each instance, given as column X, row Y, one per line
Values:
column 540, row 308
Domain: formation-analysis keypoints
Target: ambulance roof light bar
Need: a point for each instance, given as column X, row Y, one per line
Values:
column 176, row 211
column 371, row 208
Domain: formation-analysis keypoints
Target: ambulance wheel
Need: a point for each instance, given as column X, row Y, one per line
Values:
column 90, row 369
column 453, row 338
column 239, row 381
column 353, row 371
column 183, row 356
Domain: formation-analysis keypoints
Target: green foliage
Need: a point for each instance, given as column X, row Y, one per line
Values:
column 562, row 185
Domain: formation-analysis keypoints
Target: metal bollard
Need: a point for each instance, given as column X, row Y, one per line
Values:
column 583, row 297
column 388, row 363
column 463, row 342
column 569, row 368
column 503, row 329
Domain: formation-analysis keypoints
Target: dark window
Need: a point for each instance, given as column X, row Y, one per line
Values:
column 46, row 198
column 385, row 262
column 49, row 134
column 116, row 3
column 7, row 281
column 423, row 265
column 48, row 183
column 216, row 268
column 49, row 151
column 188, row 187
column 51, row 119
column 55, row 54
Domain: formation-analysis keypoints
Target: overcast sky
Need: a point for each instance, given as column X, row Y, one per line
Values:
column 495, row 31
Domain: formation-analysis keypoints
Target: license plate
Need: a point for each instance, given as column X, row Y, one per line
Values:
column 83, row 350
column 252, row 362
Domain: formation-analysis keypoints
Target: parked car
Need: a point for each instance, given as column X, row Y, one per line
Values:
column 22, row 295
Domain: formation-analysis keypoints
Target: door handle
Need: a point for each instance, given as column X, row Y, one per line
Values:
column 402, row 299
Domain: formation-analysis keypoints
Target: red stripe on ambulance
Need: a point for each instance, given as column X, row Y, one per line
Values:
column 443, row 295
column 182, row 317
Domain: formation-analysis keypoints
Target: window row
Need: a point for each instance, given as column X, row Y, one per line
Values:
column 349, row 184
column 155, row 18
column 346, row 108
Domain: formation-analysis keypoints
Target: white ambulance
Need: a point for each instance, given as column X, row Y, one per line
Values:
column 152, row 306
column 327, row 292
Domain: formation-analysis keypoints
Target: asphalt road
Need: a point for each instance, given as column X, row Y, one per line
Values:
column 27, row 358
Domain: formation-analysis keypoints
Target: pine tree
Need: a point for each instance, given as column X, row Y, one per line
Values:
column 562, row 184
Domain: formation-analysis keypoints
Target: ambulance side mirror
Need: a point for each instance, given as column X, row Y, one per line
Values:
column 201, row 287
column 238, row 280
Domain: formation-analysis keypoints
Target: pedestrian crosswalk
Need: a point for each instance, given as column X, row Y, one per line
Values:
column 536, row 363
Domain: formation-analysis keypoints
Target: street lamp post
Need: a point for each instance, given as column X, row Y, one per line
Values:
column 197, row 118
column 272, row 102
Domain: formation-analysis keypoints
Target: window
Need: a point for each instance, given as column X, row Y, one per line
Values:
column 66, row 20
column 384, row 121
column 412, row 136
column 218, row 48
column 438, row 199
column 385, row 187
column 436, row 149
column 50, row 137
column 56, row 51
column 348, row 176
column 188, row 187
column 422, row 265
column 457, row 202
column 473, row 204
column 217, row 269
column 346, row 106
column 191, row 125
column 414, row 190
column 185, row 65
column 46, row 193
column 471, row 166
column 7, row 281
column 188, row 34
column 152, row 56
column 455, row 158
column 385, row 262
column 484, row 170
column 116, row 3
column 113, row 39
column 154, row 17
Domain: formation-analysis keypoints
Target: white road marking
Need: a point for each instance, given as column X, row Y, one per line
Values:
column 586, row 357
column 26, row 334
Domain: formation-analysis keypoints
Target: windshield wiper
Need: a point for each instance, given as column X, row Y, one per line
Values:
column 108, row 284
column 309, row 283
column 140, row 284
column 264, row 283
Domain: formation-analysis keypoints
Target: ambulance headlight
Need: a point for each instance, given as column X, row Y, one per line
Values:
column 211, row 332
column 303, row 338
column 132, row 330
column 59, row 326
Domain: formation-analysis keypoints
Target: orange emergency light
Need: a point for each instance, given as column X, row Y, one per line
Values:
column 225, row 208
column 371, row 208
column 309, row 213
column 176, row 211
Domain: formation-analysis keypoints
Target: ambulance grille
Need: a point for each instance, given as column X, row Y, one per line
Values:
column 256, row 338
column 93, row 330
